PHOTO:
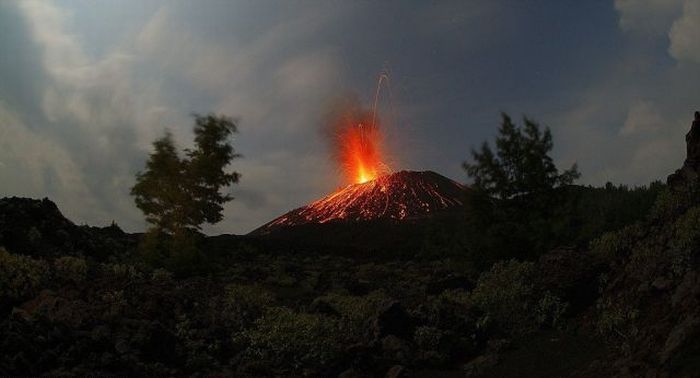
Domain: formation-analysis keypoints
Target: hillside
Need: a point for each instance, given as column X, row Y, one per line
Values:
column 626, row 306
column 400, row 197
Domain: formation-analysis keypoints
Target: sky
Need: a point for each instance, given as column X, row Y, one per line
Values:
column 86, row 86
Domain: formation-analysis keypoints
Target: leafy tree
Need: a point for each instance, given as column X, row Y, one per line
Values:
column 177, row 193
column 521, row 164
column 160, row 191
column 513, row 206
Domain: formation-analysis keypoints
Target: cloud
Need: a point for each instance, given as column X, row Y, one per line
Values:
column 643, row 117
column 646, row 145
column 628, row 125
column 685, row 34
column 34, row 165
column 95, row 115
column 647, row 16
column 85, row 111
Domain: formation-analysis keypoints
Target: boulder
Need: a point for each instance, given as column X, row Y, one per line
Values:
column 689, row 174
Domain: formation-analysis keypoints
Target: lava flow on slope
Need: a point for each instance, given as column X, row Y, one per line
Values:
column 400, row 196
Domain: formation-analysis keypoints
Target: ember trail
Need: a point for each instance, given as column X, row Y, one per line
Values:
column 358, row 140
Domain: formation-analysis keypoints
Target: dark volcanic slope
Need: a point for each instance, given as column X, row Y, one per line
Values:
column 404, row 195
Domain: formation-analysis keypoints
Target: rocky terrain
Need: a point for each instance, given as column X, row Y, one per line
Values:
column 78, row 300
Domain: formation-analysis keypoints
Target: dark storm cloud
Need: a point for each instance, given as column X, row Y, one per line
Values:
column 21, row 73
column 86, row 86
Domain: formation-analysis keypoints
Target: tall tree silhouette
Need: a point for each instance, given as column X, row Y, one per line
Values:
column 179, row 194
column 521, row 164
column 513, row 207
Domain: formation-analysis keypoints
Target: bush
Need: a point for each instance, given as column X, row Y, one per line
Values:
column 122, row 271
column 70, row 269
column 294, row 340
column 616, row 323
column 427, row 338
column 449, row 311
column 671, row 203
column 613, row 245
column 512, row 301
column 243, row 304
column 687, row 230
column 20, row 276
column 685, row 242
column 198, row 349
column 550, row 310
column 115, row 303
column 161, row 275
column 357, row 312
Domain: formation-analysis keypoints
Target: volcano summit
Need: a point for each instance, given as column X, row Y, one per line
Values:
column 398, row 197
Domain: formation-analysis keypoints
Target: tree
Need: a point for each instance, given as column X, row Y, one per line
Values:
column 513, row 207
column 521, row 164
column 179, row 194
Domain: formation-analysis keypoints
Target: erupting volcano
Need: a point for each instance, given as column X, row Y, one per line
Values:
column 399, row 197
column 373, row 193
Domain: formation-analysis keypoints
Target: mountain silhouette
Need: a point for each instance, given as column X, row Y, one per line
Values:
column 404, row 196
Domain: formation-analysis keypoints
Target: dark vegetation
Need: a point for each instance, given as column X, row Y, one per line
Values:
column 550, row 279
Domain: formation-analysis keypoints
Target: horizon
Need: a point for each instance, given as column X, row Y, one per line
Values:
column 88, row 86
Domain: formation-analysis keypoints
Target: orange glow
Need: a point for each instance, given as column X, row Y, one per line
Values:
column 360, row 151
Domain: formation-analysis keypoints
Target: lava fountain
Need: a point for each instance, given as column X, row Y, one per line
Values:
column 357, row 139
column 360, row 153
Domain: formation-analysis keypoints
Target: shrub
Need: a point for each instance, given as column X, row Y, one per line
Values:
column 449, row 311
column 122, row 271
column 115, row 303
column 670, row 203
column 512, row 301
column 687, row 229
column 161, row 275
column 685, row 241
column 427, row 338
column 294, row 340
column 70, row 269
column 616, row 323
column 199, row 350
column 613, row 245
column 281, row 276
column 505, row 293
column 20, row 276
column 550, row 310
column 243, row 304
column 357, row 312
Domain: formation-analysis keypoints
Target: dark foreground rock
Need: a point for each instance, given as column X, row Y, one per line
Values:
column 37, row 228
column 689, row 174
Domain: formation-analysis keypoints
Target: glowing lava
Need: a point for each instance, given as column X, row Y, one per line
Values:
column 356, row 137
column 400, row 196
column 360, row 152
